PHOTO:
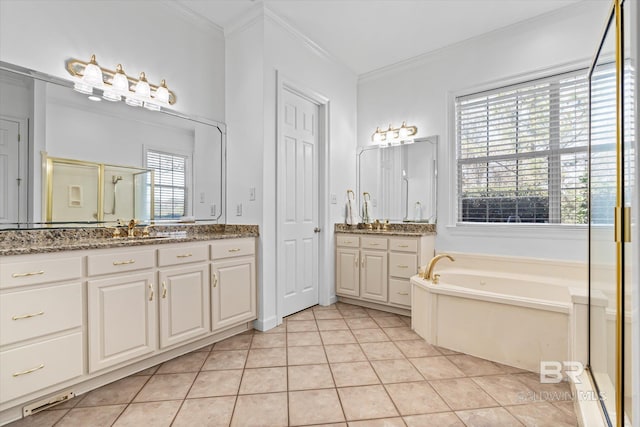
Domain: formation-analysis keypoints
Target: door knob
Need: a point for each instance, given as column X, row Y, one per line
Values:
column 317, row 230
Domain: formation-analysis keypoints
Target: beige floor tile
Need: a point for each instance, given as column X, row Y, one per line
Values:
column 462, row 393
column 361, row 323
column 390, row 322
column 344, row 353
column 354, row 374
column 280, row 329
column 216, row 383
column 566, row 406
column 71, row 403
column 327, row 314
column 119, row 392
column 267, row 357
column 156, row 414
column 416, row 398
column 238, row 342
column 367, row 402
column 269, row 341
column 378, row 313
column 354, row 313
column 396, row 371
column 228, row 359
column 505, row 389
column 406, row 320
column 381, row 351
column 309, row 355
column 488, row 417
column 436, row 367
column 543, row 414
column 302, row 315
column 41, row 419
column 332, row 324
column 149, row 371
column 190, row 362
column 302, row 326
column 382, row 422
column 296, row 339
column 401, row 334
column 210, row 411
column 337, row 337
column 95, row 416
column 370, row 335
column 324, row 307
column 545, row 391
column 417, row 348
column 446, row 351
column 166, row 387
column 474, row 366
column 444, row 419
column 264, row 380
column 309, row 377
column 206, row 348
column 314, row 407
column 261, row 410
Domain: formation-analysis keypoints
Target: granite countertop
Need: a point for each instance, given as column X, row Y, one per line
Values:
column 395, row 229
column 24, row 242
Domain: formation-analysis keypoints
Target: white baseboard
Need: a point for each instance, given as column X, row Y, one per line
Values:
column 265, row 324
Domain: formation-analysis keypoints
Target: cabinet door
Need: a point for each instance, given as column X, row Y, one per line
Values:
column 122, row 319
column 348, row 272
column 184, row 303
column 233, row 296
column 373, row 275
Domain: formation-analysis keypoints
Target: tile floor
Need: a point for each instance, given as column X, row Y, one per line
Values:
column 339, row 365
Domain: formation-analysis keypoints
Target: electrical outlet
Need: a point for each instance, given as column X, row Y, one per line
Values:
column 334, row 199
column 202, row 197
column 252, row 193
column 239, row 209
column 213, row 210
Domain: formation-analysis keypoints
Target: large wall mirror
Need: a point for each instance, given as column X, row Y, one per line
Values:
column 401, row 180
column 65, row 159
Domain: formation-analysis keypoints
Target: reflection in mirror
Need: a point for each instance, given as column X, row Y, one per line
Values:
column 401, row 181
column 186, row 154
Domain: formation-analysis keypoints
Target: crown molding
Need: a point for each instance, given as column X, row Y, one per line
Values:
column 244, row 20
column 193, row 17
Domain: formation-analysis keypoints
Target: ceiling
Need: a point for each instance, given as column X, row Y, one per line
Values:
column 366, row 35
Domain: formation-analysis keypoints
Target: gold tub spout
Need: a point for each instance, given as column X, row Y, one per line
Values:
column 429, row 270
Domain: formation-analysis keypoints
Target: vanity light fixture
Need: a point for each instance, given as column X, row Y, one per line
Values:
column 116, row 85
column 394, row 136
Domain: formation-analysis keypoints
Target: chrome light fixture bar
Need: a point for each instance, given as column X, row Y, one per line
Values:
column 116, row 85
column 394, row 136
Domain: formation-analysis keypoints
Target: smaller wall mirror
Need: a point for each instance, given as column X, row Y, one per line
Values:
column 401, row 180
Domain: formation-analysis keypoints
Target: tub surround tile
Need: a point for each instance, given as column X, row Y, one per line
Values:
column 488, row 417
column 361, row 403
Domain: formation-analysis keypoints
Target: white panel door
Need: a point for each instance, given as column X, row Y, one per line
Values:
column 9, row 171
column 298, row 203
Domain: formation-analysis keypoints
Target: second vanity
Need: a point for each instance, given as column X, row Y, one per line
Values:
column 74, row 320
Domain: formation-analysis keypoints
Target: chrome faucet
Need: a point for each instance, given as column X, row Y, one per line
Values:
column 132, row 228
column 429, row 271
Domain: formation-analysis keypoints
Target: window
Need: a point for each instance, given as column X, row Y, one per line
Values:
column 170, row 183
column 523, row 149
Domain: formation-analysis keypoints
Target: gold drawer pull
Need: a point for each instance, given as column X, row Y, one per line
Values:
column 234, row 250
column 403, row 246
column 164, row 290
column 347, row 242
column 403, row 293
column 402, row 266
column 215, row 280
column 26, row 316
column 150, row 291
column 33, row 273
column 374, row 244
column 28, row 371
column 357, row 261
column 184, row 255
column 129, row 261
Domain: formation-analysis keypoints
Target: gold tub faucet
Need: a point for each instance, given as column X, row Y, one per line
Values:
column 429, row 270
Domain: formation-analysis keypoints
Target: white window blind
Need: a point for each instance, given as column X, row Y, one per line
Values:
column 523, row 149
column 170, row 184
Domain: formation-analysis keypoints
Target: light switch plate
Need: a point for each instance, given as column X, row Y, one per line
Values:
column 334, row 199
column 239, row 209
column 252, row 193
column 213, row 210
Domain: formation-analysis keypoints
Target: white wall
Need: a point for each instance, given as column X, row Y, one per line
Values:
column 421, row 92
column 154, row 37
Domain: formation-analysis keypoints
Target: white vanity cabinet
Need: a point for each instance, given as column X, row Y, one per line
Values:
column 374, row 270
column 233, row 275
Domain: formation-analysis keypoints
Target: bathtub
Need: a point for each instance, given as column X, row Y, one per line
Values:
column 510, row 318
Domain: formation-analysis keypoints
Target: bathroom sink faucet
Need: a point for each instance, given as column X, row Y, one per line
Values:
column 132, row 228
column 429, row 271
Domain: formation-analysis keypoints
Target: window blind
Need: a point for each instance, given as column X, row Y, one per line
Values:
column 170, row 184
column 522, row 150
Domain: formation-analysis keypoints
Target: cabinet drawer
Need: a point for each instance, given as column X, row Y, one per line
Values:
column 182, row 255
column 374, row 243
column 403, row 265
column 403, row 245
column 41, row 270
column 116, row 262
column 232, row 248
column 400, row 292
column 347, row 241
column 37, row 312
column 34, row 367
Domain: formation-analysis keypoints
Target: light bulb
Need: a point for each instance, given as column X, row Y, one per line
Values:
column 162, row 93
column 120, row 82
column 92, row 74
column 403, row 133
column 377, row 136
column 143, row 89
column 391, row 135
